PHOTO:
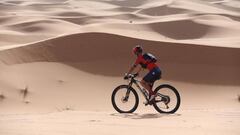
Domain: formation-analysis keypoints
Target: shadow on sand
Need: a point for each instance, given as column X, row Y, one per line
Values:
column 143, row 116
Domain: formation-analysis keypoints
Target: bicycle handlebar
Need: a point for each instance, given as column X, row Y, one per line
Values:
column 130, row 76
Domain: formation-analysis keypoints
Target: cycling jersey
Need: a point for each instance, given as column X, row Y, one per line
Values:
column 145, row 64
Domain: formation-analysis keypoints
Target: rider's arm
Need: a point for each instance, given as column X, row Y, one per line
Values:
column 134, row 66
column 131, row 69
column 139, row 70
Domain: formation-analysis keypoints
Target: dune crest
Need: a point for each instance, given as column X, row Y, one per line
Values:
column 159, row 20
column 87, row 52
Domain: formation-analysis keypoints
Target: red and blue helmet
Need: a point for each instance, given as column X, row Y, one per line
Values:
column 137, row 49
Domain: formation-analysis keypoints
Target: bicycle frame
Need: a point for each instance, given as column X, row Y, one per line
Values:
column 143, row 91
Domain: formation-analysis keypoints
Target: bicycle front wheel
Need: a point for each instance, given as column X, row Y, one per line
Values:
column 125, row 99
column 167, row 99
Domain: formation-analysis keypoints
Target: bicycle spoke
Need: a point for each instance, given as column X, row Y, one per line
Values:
column 167, row 100
column 125, row 99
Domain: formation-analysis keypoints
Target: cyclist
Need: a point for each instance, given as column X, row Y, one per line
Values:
column 147, row 61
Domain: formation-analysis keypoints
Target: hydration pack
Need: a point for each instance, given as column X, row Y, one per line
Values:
column 149, row 58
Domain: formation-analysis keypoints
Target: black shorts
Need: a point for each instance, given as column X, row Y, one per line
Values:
column 153, row 75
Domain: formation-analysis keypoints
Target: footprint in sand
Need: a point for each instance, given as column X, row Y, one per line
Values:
column 94, row 120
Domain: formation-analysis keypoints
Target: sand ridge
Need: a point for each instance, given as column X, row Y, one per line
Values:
column 143, row 17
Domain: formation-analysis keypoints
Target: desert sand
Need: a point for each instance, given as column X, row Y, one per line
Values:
column 61, row 59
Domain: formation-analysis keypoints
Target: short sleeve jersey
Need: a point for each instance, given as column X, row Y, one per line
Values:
column 145, row 64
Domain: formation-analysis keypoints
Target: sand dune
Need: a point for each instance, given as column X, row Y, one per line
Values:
column 133, row 3
column 85, row 51
column 61, row 59
column 31, row 26
column 70, row 14
column 163, row 10
column 125, row 9
column 95, row 16
column 49, row 26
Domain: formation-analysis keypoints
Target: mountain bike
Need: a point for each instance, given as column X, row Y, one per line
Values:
column 125, row 98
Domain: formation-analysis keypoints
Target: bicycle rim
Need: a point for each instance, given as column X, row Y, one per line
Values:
column 167, row 100
column 123, row 103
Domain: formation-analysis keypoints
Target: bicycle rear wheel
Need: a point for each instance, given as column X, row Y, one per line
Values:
column 125, row 99
column 167, row 99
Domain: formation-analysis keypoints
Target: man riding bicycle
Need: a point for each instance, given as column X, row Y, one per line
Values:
column 146, row 61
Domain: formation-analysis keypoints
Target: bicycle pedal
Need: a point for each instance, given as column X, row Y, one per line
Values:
column 146, row 103
column 150, row 103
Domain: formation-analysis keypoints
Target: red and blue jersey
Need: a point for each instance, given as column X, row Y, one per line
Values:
column 144, row 63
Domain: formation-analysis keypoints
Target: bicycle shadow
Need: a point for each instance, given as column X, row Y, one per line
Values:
column 144, row 116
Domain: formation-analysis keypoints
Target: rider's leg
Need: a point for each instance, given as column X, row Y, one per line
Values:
column 148, row 80
column 147, row 86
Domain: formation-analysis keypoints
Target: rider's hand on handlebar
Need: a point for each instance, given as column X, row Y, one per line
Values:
column 126, row 77
column 136, row 74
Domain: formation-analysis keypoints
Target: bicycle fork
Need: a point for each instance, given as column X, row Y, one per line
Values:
column 125, row 99
column 144, row 92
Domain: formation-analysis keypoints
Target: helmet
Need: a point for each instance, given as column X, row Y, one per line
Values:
column 137, row 49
